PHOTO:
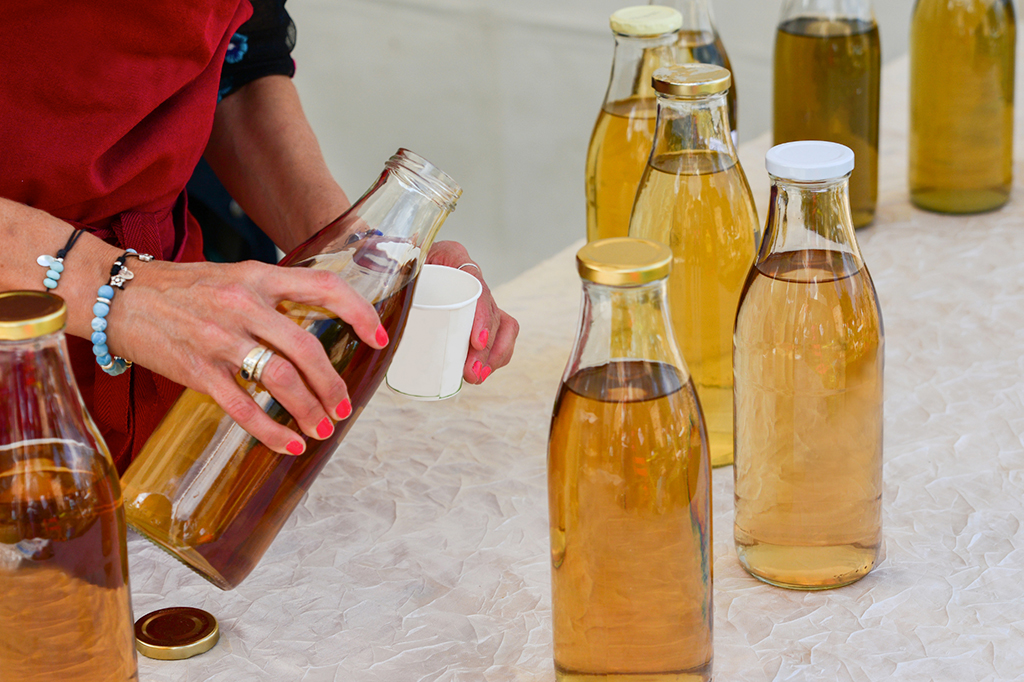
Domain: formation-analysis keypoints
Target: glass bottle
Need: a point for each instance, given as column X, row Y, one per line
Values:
column 65, row 604
column 809, row 357
column 828, row 62
column 621, row 140
column 694, row 197
column 962, row 56
column 211, row 494
column 699, row 42
column 628, row 483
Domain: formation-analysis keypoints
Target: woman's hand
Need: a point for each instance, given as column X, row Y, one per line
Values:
column 494, row 331
column 194, row 323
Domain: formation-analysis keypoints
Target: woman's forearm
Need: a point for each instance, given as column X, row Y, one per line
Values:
column 27, row 233
column 265, row 153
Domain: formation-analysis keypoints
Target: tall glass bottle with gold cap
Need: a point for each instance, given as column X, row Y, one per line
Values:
column 694, row 197
column 809, row 356
column 962, row 57
column 65, row 606
column 629, row 483
column 699, row 42
column 827, row 86
column 621, row 140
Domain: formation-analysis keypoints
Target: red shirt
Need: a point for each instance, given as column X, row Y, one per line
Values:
column 105, row 109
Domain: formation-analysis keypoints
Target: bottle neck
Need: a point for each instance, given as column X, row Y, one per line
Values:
column 810, row 216
column 694, row 124
column 635, row 61
column 39, row 399
column 697, row 15
column 624, row 323
column 842, row 10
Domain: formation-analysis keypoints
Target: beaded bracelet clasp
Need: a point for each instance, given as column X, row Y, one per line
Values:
column 119, row 275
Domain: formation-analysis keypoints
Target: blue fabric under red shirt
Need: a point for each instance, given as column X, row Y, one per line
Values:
column 106, row 106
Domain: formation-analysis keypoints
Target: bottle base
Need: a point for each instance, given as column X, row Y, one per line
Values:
column 807, row 568
column 189, row 558
column 703, row 674
column 960, row 201
column 862, row 217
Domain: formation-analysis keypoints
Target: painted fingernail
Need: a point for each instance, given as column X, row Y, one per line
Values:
column 295, row 447
column 382, row 336
column 485, row 373
column 344, row 409
column 324, row 428
column 477, row 366
column 483, row 337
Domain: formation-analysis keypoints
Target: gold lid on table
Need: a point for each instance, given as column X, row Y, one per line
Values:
column 623, row 261
column 30, row 314
column 646, row 20
column 691, row 80
column 176, row 633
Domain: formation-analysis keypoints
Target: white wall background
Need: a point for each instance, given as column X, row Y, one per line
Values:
column 502, row 95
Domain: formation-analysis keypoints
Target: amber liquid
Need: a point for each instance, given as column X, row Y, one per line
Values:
column 961, row 104
column 699, row 203
column 629, row 502
column 618, row 152
column 827, row 78
column 65, row 605
column 808, row 474
column 239, row 512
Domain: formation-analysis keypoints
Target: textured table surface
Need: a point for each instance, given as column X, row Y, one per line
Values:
column 421, row 552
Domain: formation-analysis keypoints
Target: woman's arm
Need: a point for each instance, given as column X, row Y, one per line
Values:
column 195, row 322
column 265, row 154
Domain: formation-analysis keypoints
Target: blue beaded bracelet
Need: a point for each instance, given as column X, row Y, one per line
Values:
column 119, row 274
column 55, row 265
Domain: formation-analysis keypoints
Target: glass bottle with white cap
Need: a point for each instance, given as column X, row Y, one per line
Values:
column 828, row 61
column 809, row 357
column 962, row 58
column 621, row 140
column 699, row 42
column 65, row 604
column 628, row 483
column 694, row 197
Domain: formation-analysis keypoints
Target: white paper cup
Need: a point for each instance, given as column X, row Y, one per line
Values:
column 429, row 360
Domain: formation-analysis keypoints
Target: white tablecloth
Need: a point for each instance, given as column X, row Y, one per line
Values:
column 421, row 553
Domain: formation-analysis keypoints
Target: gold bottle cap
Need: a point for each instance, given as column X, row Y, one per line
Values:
column 623, row 261
column 176, row 633
column 691, row 80
column 646, row 20
column 30, row 314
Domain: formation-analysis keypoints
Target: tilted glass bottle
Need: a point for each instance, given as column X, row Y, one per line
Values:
column 65, row 604
column 629, row 483
column 621, row 140
column 962, row 57
column 809, row 356
column 827, row 86
column 211, row 494
column 694, row 197
column 699, row 42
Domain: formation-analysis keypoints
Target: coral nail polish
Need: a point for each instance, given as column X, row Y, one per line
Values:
column 295, row 447
column 484, row 335
column 382, row 336
column 324, row 428
column 486, row 372
column 344, row 409
column 476, row 369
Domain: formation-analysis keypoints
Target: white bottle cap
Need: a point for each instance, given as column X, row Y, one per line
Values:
column 809, row 160
column 646, row 20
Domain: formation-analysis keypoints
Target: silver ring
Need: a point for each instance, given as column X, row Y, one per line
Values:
column 250, row 361
column 471, row 265
column 257, row 372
